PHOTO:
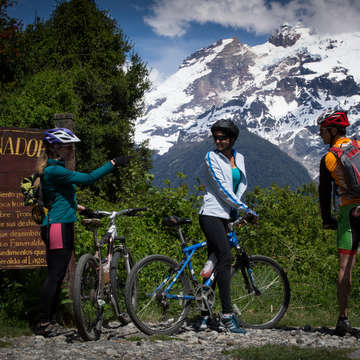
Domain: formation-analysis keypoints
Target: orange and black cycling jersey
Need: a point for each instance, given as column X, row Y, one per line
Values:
column 332, row 170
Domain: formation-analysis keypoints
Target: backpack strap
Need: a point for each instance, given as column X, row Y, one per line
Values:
column 51, row 199
column 336, row 151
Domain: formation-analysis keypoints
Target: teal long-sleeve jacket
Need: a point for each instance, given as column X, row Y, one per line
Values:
column 59, row 189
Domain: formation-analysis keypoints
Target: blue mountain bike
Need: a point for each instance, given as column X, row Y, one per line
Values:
column 159, row 292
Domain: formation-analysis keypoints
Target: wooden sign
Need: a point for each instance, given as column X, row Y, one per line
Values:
column 20, row 242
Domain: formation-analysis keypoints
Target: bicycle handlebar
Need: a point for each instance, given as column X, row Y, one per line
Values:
column 241, row 221
column 98, row 214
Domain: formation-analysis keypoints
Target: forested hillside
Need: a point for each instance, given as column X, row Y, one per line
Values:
column 265, row 163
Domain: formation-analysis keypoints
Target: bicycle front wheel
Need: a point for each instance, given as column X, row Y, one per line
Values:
column 151, row 310
column 88, row 313
column 121, row 264
column 264, row 308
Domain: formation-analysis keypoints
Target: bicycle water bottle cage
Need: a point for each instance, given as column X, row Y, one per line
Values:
column 175, row 221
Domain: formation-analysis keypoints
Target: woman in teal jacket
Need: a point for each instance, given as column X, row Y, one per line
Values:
column 57, row 229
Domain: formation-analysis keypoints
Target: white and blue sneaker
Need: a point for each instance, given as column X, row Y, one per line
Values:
column 231, row 323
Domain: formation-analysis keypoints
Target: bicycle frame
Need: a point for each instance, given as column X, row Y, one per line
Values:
column 189, row 251
column 110, row 235
column 109, row 238
column 242, row 262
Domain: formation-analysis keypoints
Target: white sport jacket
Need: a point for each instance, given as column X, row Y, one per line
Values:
column 219, row 198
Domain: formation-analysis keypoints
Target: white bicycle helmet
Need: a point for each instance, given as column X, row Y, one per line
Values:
column 60, row 136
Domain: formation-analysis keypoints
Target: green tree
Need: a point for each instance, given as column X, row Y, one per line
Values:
column 80, row 61
column 34, row 104
column 9, row 38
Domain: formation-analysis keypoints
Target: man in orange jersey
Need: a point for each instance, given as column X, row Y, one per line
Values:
column 332, row 182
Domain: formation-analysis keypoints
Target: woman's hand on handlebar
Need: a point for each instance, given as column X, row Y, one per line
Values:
column 251, row 218
column 86, row 211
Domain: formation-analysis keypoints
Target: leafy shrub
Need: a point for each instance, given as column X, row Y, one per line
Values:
column 289, row 231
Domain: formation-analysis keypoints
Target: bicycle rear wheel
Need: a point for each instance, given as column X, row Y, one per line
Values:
column 150, row 310
column 88, row 313
column 265, row 309
column 121, row 264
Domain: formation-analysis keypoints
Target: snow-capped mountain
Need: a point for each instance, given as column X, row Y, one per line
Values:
column 276, row 90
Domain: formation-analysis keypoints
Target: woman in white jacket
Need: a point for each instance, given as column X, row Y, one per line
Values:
column 225, row 183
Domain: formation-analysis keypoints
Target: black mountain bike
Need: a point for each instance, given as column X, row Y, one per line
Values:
column 100, row 280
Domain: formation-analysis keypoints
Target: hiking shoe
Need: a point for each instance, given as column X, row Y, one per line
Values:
column 51, row 330
column 231, row 323
column 343, row 326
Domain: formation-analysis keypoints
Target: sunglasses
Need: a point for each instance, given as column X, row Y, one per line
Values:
column 221, row 138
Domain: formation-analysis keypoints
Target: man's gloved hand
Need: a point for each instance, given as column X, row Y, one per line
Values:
column 121, row 160
column 87, row 213
column 330, row 224
column 251, row 218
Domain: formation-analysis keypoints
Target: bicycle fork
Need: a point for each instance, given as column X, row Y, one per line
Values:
column 114, row 303
column 242, row 262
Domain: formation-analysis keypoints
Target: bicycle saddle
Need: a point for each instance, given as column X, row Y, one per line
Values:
column 91, row 222
column 175, row 220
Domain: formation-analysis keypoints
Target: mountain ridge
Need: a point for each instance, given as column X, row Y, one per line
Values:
column 276, row 90
column 265, row 163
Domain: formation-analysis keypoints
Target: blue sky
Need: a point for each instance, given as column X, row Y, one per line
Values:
column 165, row 32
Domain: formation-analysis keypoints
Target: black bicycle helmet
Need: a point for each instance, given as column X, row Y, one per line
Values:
column 227, row 126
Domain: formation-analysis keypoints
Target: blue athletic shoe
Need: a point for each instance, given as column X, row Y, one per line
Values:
column 231, row 323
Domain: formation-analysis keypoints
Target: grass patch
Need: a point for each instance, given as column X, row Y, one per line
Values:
column 14, row 329
column 317, row 316
column 134, row 338
column 277, row 352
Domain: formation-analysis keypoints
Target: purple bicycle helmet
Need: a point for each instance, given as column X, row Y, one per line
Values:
column 60, row 136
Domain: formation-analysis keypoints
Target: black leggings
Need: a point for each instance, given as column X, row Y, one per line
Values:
column 57, row 261
column 215, row 230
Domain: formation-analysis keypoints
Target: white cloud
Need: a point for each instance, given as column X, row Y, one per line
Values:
column 173, row 17
column 156, row 78
column 166, row 56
